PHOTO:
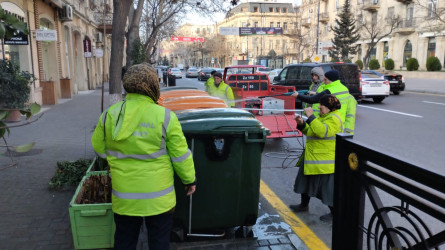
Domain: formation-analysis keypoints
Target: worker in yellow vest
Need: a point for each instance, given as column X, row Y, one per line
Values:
column 220, row 89
column 144, row 145
column 332, row 85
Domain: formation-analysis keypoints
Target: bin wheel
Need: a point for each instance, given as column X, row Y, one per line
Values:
column 244, row 232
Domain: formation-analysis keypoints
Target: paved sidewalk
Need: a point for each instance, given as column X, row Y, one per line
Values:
column 34, row 217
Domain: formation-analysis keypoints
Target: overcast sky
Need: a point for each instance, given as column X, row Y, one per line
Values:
column 193, row 18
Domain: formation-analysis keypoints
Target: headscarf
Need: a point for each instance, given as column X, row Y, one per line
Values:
column 331, row 102
column 142, row 79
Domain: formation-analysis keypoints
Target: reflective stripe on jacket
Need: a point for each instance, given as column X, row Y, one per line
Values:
column 319, row 156
column 143, row 144
column 223, row 91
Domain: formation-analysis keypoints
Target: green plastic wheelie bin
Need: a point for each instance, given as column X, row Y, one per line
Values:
column 226, row 145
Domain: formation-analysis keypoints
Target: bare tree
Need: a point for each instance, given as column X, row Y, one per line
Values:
column 120, row 14
column 134, row 17
column 302, row 41
column 435, row 11
column 374, row 30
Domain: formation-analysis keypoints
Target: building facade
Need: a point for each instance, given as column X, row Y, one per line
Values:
column 417, row 32
column 59, row 62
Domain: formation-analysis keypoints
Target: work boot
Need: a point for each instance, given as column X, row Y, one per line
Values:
column 299, row 208
column 326, row 218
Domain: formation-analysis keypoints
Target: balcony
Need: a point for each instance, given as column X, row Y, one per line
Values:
column 324, row 17
column 406, row 27
column 371, row 5
column 101, row 22
column 306, row 22
column 405, row 1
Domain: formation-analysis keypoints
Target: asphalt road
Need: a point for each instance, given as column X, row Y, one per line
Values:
column 408, row 126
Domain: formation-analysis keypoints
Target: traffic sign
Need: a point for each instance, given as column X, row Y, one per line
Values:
column 316, row 58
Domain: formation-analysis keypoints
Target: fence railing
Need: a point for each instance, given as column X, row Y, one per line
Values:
column 406, row 203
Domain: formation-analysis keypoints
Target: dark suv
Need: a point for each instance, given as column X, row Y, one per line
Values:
column 299, row 75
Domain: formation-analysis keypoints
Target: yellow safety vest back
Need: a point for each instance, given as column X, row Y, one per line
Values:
column 143, row 144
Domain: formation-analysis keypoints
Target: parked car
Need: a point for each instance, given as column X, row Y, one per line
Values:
column 176, row 72
column 274, row 73
column 374, row 86
column 191, row 72
column 396, row 80
column 204, row 74
column 264, row 70
column 299, row 75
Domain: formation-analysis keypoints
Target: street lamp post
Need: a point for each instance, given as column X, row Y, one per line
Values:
column 318, row 24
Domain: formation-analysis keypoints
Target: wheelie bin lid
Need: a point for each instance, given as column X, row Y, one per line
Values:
column 165, row 89
column 192, row 102
column 218, row 119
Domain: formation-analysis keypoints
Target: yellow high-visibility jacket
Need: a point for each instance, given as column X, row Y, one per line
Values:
column 224, row 92
column 208, row 83
column 319, row 155
column 143, row 144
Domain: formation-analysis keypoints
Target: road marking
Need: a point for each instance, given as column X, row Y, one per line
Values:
column 438, row 103
column 391, row 111
column 304, row 232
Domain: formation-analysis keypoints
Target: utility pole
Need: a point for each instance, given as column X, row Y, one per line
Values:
column 103, row 58
column 318, row 24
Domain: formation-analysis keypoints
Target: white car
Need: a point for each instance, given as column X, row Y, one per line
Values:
column 274, row 73
column 176, row 72
column 374, row 86
column 264, row 70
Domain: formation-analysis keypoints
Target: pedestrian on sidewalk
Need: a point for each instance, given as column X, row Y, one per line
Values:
column 144, row 145
column 316, row 177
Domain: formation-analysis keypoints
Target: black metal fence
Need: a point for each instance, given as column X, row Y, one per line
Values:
column 413, row 203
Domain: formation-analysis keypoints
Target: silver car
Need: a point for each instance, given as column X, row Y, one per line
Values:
column 191, row 72
column 176, row 72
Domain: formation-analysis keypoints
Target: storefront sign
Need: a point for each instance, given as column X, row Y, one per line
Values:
column 98, row 53
column 245, row 31
column 187, row 39
column 18, row 38
column 225, row 31
column 46, row 35
column 87, row 48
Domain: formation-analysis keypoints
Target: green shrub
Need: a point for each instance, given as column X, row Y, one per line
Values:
column 307, row 60
column 359, row 63
column 374, row 64
column 412, row 64
column 347, row 60
column 334, row 59
column 69, row 173
column 433, row 64
column 389, row 64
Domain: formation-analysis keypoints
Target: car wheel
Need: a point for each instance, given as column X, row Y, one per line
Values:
column 396, row 92
column 378, row 99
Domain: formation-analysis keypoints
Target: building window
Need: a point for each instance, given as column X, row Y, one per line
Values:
column 255, row 9
column 270, row 44
column 256, row 24
column 244, row 9
column 271, row 9
column 337, row 5
column 277, row 44
column 197, row 30
column 385, row 52
column 407, row 52
column 432, row 8
column 278, row 25
column 390, row 13
column 374, row 18
column 277, row 10
column 359, row 52
column 284, row 10
column 243, row 24
column 285, row 26
column 431, row 47
column 373, row 53
column 271, row 24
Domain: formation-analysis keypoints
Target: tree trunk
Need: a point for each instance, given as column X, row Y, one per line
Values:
column 120, row 14
column 133, row 30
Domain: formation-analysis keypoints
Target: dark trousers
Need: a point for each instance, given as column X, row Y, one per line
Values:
column 158, row 230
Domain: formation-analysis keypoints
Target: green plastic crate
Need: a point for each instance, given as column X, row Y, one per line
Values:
column 97, row 166
column 92, row 225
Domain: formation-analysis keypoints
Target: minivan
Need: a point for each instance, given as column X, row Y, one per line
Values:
column 299, row 75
